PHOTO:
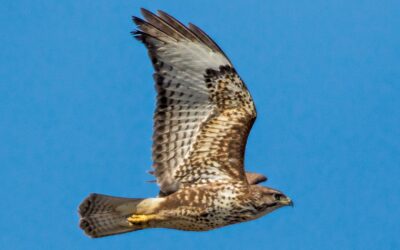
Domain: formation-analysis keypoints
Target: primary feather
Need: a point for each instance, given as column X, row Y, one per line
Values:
column 204, row 111
column 203, row 117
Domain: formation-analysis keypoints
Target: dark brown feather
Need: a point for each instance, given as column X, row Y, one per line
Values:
column 178, row 26
column 204, row 110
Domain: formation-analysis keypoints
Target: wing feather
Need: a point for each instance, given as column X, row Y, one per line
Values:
column 204, row 111
column 178, row 26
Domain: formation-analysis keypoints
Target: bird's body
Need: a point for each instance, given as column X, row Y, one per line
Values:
column 203, row 117
column 200, row 207
column 205, row 207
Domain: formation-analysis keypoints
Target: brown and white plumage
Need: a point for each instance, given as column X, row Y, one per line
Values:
column 202, row 120
column 204, row 111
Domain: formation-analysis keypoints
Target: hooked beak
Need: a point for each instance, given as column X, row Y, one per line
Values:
column 286, row 202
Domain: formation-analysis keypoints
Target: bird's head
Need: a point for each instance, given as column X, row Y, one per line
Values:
column 269, row 199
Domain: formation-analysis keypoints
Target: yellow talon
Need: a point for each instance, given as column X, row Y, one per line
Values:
column 141, row 219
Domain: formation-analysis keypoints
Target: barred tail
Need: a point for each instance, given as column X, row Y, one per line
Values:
column 103, row 215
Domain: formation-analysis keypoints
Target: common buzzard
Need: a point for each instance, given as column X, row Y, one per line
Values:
column 203, row 118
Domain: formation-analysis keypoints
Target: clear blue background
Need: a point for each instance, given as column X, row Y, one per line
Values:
column 76, row 103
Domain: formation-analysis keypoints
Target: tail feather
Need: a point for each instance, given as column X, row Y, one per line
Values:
column 103, row 215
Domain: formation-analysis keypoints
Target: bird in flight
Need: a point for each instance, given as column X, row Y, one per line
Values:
column 202, row 120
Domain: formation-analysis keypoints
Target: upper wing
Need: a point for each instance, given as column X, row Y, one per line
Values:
column 204, row 112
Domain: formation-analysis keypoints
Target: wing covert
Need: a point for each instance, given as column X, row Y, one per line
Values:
column 204, row 112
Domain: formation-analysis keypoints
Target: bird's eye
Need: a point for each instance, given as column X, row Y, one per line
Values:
column 278, row 197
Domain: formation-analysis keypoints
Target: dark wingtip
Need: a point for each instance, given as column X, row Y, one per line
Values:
column 263, row 178
column 137, row 20
column 137, row 34
column 162, row 12
column 144, row 11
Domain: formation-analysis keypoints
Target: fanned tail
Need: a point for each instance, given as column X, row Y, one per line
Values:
column 103, row 215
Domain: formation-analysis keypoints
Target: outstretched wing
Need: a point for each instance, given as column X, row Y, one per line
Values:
column 204, row 111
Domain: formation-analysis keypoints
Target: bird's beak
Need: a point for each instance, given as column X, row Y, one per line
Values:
column 287, row 202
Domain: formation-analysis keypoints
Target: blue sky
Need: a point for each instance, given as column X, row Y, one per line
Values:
column 76, row 103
